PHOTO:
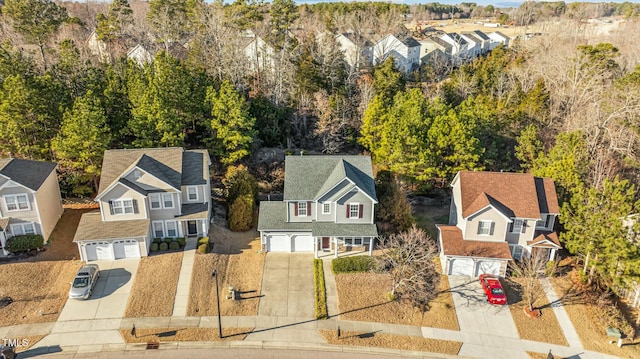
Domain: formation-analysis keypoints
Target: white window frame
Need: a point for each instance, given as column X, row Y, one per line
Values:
column 151, row 201
column 518, row 225
column 481, row 226
column 302, row 209
column 155, row 234
column 123, row 205
column 137, row 174
column 164, row 201
column 326, row 208
column 544, row 221
column 195, row 190
column 351, row 210
column 14, row 199
column 515, row 249
column 167, row 230
column 23, row 227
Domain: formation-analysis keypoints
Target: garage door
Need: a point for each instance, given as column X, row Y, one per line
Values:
column 462, row 266
column 98, row 251
column 302, row 243
column 492, row 267
column 278, row 243
column 126, row 248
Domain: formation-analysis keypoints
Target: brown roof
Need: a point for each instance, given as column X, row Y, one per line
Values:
column 4, row 223
column 542, row 239
column 514, row 194
column 454, row 245
column 547, row 197
column 91, row 227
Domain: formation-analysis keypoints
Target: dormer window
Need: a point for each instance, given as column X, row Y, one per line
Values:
column 301, row 208
column 326, row 208
column 354, row 210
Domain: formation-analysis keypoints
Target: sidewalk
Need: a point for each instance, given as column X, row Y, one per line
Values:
column 563, row 318
column 330, row 288
column 184, row 280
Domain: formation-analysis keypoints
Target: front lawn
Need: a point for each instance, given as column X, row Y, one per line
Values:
column 39, row 290
column 402, row 342
column 239, row 267
column 544, row 328
column 159, row 335
column 363, row 297
column 154, row 289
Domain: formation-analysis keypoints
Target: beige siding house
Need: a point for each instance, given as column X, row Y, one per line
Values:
column 496, row 217
column 328, row 206
column 30, row 200
column 145, row 194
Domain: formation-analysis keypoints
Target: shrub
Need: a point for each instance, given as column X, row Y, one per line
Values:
column 239, row 182
column 550, row 268
column 319, row 290
column 202, row 248
column 157, row 240
column 352, row 264
column 164, row 246
column 181, row 241
column 168, row 240
column 241, row 214
column 25, row 242
column 203, row 240
column 154, row 247
column 174, row 245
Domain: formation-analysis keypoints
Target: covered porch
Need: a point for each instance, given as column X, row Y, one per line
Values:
column 545, row 245
column 194, row 220
column 343, row 239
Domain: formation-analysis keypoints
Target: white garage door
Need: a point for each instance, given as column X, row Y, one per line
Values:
column 486, row 266
column 126, row 248
column 302, row 243
column 462, row 266
column 278, row 243
column 98, row 251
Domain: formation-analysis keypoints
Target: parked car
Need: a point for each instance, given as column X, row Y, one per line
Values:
column 493, row 289
column 85, row 280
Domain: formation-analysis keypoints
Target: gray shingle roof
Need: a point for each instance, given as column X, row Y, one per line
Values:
column 28, row 173
column 481, row 35
column 273, row 217
column 308, row 177
column 91, row 228
column 195, row 167
column 194, row 211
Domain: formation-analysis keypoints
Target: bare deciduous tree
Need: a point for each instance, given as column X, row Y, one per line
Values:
column 408, row 256
column 528, row 269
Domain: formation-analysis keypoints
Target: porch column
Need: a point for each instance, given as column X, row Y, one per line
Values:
column 552, row 254
column 372, row 242
column 204, row 227
column 3, row 240
column 335, row 239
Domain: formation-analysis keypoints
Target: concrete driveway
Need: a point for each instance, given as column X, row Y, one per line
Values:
column 483, row 326
column 110, row 295
column 287, row 286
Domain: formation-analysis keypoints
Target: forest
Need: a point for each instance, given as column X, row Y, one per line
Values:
column 564, row 105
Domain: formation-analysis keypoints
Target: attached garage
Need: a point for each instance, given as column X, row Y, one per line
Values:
column 126, row 248
column 302, row 243
column 461, row 266
column 489, row 266
column 98, row 251
column 278, row 243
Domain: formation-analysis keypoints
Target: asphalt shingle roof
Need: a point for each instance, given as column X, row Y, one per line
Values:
column 308, row 177
column 28, row 173
column 454, row 245
column 195, row 167
column 91, row 228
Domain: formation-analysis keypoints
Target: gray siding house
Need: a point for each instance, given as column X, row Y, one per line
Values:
column 145, row 194
column 30, row 200
column 328, row 206
column 496, row 217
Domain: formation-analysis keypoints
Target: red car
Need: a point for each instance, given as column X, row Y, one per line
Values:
column 493, row 289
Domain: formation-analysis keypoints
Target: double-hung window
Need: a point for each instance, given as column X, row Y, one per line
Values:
column 167, row 200
column 155, row 201
column 192, row 193
column 23, row 228
column 354, row 210
column 158, row 229
column 516, row 252
column 17, row 202
column 484, row 228
column 517, row 226
column 326, row 208
column 172, row 229
column 123, row 206
column 302, row 209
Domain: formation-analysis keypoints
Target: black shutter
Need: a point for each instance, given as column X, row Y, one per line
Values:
column 524, row 226
column 513, row 221
column 360, row 210
column 111, row 207
column 479, row 227
column 135, row 205
column 295, row 209
column 493, row 225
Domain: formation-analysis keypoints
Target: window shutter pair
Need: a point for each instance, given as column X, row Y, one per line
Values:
column 360, row 210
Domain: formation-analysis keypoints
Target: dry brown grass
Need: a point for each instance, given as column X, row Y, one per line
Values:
column 183, row 334
column 35, row 287
column 154, row 289
column 584, row 318
column 61, row 246
column 534, row 355
column 402, row 342
column 240, row 267
column 544, row 328
column 365, row 300
column 30, row 339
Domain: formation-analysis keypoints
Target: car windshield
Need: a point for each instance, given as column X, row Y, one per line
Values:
column 497, row 291
column 81, row 282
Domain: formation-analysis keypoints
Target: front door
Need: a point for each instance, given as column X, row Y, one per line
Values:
column 326, row 242
column 192, row 228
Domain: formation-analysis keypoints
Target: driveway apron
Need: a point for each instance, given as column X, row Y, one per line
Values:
column 287, row 286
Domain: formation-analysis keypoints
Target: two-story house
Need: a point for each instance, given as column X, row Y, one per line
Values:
column 30, row 200
column 328, row 205
column 145, row 194
column 404, row 49
column 356, row 48
column 496, row 217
